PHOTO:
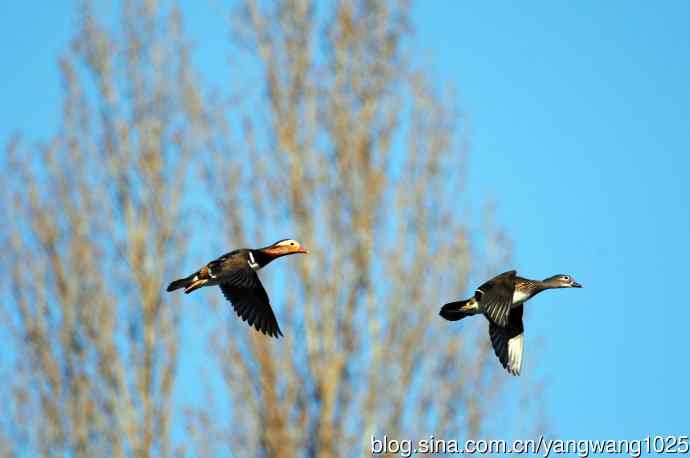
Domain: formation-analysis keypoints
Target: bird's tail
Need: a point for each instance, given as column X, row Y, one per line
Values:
column 181, row 283
column 189, row 283
column 454, row 311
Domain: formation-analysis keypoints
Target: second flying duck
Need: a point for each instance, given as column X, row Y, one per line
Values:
column 500, row 300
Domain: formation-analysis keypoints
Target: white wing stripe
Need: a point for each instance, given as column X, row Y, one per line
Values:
column 515, row 349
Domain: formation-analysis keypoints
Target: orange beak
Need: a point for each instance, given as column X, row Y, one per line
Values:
column 302, row 250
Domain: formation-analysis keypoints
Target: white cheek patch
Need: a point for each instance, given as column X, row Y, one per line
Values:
column 252, row 263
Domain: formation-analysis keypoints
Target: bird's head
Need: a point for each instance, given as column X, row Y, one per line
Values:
column 561, row 281
column 284, row 247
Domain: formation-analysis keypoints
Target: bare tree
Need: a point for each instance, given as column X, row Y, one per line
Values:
column 333, row 135
column 94, row 226
column 362, row 158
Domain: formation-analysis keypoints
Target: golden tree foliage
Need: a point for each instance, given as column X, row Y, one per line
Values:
column 335, row 138
column 93, row 232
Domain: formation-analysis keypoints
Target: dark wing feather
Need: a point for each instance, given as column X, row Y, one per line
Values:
column 508, row 341
column 495, row 297
column 250, row 301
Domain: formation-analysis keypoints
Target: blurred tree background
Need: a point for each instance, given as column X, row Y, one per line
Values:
column 327, row 131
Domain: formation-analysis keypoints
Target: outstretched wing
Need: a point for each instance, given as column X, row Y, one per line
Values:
column 508, row 342
column 244, row 290
column 495, row 297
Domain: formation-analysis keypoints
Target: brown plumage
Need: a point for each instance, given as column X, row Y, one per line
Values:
column 500, row 300
column 235, row 273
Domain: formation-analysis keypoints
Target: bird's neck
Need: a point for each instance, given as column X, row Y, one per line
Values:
column 530, row 288
column 260, row 258
column 263, row 256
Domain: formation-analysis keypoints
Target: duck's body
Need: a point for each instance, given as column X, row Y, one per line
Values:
column 501, row 300
column 235, row 273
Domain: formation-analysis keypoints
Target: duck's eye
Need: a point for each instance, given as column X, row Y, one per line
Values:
column 566, row 278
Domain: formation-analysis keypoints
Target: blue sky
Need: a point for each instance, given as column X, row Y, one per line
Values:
column 579, row 117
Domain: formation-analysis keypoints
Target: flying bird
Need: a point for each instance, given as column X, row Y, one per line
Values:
column 235, row 273
column 501, row 300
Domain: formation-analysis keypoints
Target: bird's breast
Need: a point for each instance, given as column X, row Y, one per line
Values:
column 520, row 296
